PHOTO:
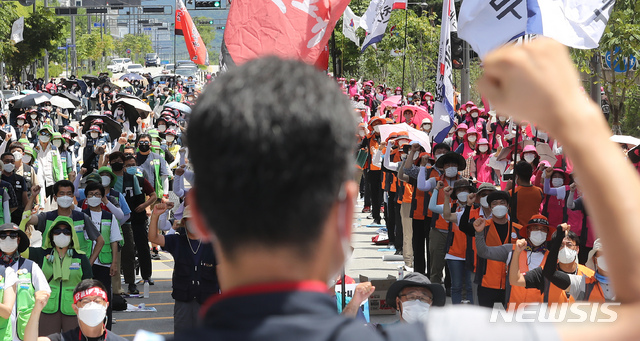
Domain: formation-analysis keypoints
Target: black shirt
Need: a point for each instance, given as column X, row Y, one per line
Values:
column 76, row 335
column 503, row 230
column 19, row 185
column 141, row 158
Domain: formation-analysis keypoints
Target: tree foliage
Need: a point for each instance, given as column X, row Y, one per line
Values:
column 138, row 44
column 208, row 35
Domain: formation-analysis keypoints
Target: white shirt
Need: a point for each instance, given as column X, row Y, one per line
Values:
column 115, row 234
column 39, row 282
column 45, row 159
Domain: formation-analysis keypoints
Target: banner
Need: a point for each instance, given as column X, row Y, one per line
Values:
column 298, row 29
column 443, row 109
column 184, row 26
column 399, row 4
column 487, row 25
column 369, row 16
column 17, row 29
column 379, row 25
column 350, row 23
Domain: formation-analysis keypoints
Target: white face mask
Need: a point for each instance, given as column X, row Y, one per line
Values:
column 567, row 255
column 162, row 128
column 462, row 111
column 376, row 129
column 8, row 245
column 8, row 167
column 557, row 182
column 17, row 155
column 57, row 143
column 64, row 201
column 462, row 133
column 61, row 240
column 20, row 122
column 462, row 196
column 602, row 264
column 502, row 118
column 92, row 314
column 483, row 148
column 34, row 116
column 474, row 114
column 537, row 237
column 451, row 172
column 483, row 202
column 415, row 311
column 44, row 139
column 472, row 138
column 106, row 89
column 171, row 138
column 499, row 211
column 26, row 158
column 94, row 201
column 94, row 135
column 415, row 156
column 438, row 156
column 426, row 127
column 529, row 157
column 106, row 181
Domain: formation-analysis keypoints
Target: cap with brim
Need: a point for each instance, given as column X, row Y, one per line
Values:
column 564, row 174
column 380, row 120
column 426, row 120
column 529, row 149
column 483, row 141
column 56, row 135
column 497, row 195
column 537, row 219
column 461, row 126
column 485, row 186
column 459, row 184
column 47, row 128
column 95, row 177
column 597, row 246
column 24, row 239
column 107, row 169
column 450, row 157
column 416, row 279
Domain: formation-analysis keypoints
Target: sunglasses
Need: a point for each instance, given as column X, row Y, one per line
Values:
column 12, row 235
column 66, row 232
column 145, row 143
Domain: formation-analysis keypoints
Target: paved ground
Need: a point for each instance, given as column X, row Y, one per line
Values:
column 366, row 260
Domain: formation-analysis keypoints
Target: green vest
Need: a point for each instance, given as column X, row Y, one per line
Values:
column 105, row 256
column 78, row 223
column 6, row 333
column 61, row 298
column 65, row 173
column 158, row 180
column 25, row 297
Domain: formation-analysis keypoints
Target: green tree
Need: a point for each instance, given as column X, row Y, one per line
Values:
column 208, row 34
column 93, row 47
column 138, row 44
column 8, row 15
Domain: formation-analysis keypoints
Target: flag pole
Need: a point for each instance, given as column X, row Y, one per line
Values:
column 334, row 55
column 404, row 51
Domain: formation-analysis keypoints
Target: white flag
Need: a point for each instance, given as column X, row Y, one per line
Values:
column 379, row 26
column 444, row 111
column 17, row 29
column 350, row 23
column 487, row 25
column 366, row 22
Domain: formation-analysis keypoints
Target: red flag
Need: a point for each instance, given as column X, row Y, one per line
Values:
column 297, row 29
column 323, row 61
column 185, row 27
column 399, row 4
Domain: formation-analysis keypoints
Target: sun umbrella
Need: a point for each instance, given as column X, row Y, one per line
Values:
column 28, row 92
column 71, row 97
column 414, row 134
column 69, row 83
column 15, row 98
column 624, row 139
column 113, row 128
column 61, row 102
column 124, row 94
column 134, row 108
column 391, row 101
column 32, row 100
column 122, row 84
column 543, row 149
column 419, row 114
column 179, row 106
column 131, row 76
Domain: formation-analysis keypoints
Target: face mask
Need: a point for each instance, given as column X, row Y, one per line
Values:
column 438, row 156
column 61, row 240
column 483, row 202
column 190, row 99
column 557, row 182
column 94, row 201
column 117, row 166
column 106, row 89
column 474, row 114
column 170, row 138
column 415, row 311
column 8, row 245
column 502, row 118
column 537, row 237
column 106, row 181
column 403, row 156
column 132, row 170
column 426, row 127
column 376, row 129
column 34, row 116
column 472, row 138
column 483, row 148
column 26, row 158
column 602, row 264
column 415, row 156
column 44, row 139
column 95, row 135
column 529, row 157
column 57, row 143
column 462, row 111
column 144, row 148
column 462, row 196
column 462, row 133
column 567, row 255
column 17, row 155
column 64, row 201
column 451, row 172
column 8, row 167
column 20, row 122
column 92, row 314
column 499, row 211
column 162, row 128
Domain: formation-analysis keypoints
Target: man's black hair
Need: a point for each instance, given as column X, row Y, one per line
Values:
column 523, row 170
column 88, row 284
column 141, row 136
column 92, row 186
column 243, row 116
column 63, row 183
column 15, row 145
column 5, row 154
column 571, row 235
column 442, row 146
column 116, row 155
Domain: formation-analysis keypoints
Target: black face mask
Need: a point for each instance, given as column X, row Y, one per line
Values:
column 117, row 166
column 144, row 148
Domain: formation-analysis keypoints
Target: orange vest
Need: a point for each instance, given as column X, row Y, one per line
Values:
column 458, row 247
column 519, row 295
column 430, row 172
column 553, row 294
column 440, row 223
column 373, row 148
column 593, row 291
column 495, row 273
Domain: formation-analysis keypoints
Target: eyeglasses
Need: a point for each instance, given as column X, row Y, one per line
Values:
column 145, row 143
column 57, row 231
column 12, row 235
column 96, row 299
column 421, row 298
column 94, row 195
column 568, row 244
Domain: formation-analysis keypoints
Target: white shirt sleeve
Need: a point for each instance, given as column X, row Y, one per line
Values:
column 38, row 279
column 115, row 235
column 577, row 286
column 10, row 277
